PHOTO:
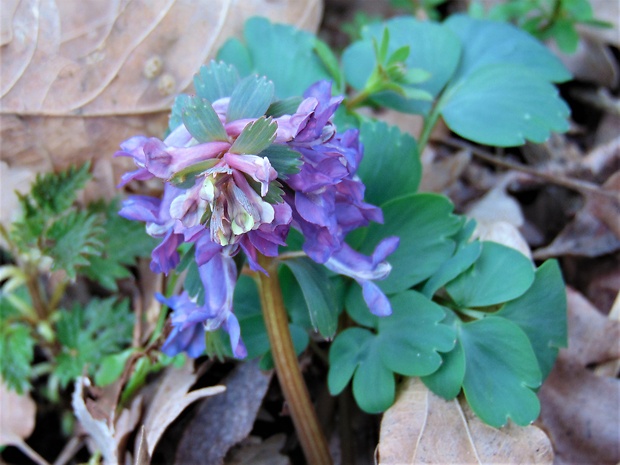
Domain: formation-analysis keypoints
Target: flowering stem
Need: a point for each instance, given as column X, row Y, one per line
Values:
column 296, row 393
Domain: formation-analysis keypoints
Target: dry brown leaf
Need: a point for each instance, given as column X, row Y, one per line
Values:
column 92, row 58
column 170, row 399
column 580, row 410
column 255, row 451
column 441, row 175
column 424, row 428
column 207, row 438
column 17, row 416
column 95, row 65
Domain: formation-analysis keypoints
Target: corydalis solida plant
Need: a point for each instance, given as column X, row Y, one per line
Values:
column 239, row 170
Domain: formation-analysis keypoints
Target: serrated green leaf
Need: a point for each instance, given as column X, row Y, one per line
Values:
column 451, row 268
column 16, row 356
column 123, row 242
column 176, row 119
column 424, row 223
column 318, row 293
column 202, row 121
column 112, row 367
column 56, row 192
column 385, row 147
column 215, row 81
column 255, row 137
column 501, row 372
column 284, row 54
column 72, row 239
column 250, row 99
column 541, row 314
column 87, row 336
column 283, row 159
column 499, row 274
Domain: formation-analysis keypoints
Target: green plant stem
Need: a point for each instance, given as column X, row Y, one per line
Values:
column 296, row 393
column 429, row 124
column 357, row 100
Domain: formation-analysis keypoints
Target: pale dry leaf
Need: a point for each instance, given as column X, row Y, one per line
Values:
column 17, row 416
column 207, row 439
column 255, row 451
column 98, row 430
column 442, row 174
column 609, row 11
column 12, row 180
column 422, row 428
column 91, row 58
column 593, row 61
column 580, row 409
column 171, row 398
column 142, row 456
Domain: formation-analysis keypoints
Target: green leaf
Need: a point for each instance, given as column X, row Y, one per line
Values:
column 215, row 81
column 329, row 60
column 407, row 342
column 176, row 119
column 16, row 356
column 500, row 274
column 501, row 372
column 353, row 354
column 287, row 106
column 451, row 268
column 112, row 367
column 424, row 223
column 541, row 314
column 283, row 159
column 565, row 35
column 284, row 54
column 357, row 308
column 250, row 99
column 426, row 41
column 202, row 122
column 412, row 335
column 318, row 293
column 446, row 382
column 186, row 178
column 300, row 342
column 255, row 137
column 501, row 93
column 55, row 192
column 87, row 336
column 385, row 148
column 193, row 283
column 72, row 239
column 504, row 105
column 124, row 241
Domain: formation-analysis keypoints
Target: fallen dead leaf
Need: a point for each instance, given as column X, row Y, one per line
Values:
column 442, row 174
column 255, row 451
column 498, row 218
column 424, row 428
column 79, row 77
column 170, row 399
column 17, row 416
column 581, row 410
column 208, row 437
column 88, row 58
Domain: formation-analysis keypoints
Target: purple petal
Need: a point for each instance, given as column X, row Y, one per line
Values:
column 376, row 300
column 141, row 208
column 165, row 256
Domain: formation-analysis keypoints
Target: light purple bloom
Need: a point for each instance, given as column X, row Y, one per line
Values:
column 188, row 332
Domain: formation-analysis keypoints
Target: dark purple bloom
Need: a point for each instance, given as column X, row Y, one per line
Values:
column 188, row 332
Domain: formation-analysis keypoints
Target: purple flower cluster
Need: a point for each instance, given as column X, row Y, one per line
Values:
column 224, row 209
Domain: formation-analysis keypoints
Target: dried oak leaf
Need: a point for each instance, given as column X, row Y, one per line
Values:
column 424, row 428
column 17, row 416
column 579, row 409
column 77, row 77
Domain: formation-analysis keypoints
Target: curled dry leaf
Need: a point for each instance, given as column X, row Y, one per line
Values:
column 170, row 399
column 579, row 410
column 255, row 451
column 207, row 438
column 75, row 74
column 498, row 218
column 424, row 428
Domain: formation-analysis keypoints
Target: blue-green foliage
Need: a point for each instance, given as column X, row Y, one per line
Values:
column 493, row 83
